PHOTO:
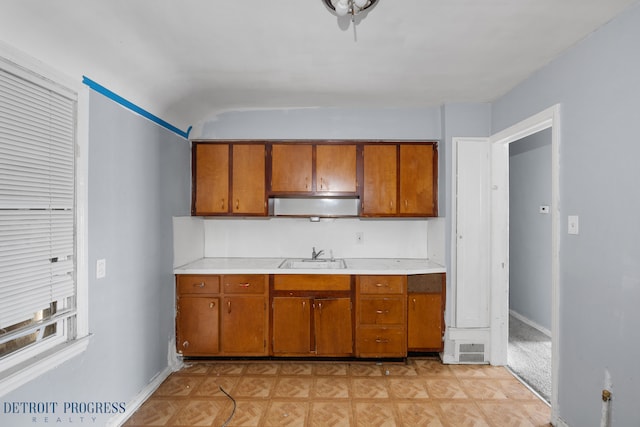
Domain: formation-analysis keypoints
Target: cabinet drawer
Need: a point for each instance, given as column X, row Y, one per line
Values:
column 381, row 342
column 244, row 284
column 381, row 311
column 311, row 282
column 198, row 284
column 382, row 284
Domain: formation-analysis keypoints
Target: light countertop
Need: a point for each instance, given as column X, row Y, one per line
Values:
column 270, row 266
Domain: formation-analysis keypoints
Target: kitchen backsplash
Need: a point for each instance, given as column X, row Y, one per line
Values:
column 295, row 237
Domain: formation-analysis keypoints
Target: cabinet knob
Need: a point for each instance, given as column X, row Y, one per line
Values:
column 212, row 304
column 185, row 344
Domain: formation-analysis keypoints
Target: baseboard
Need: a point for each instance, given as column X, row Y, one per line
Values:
column 530, row 322
column 140, row 398
column 559, row 422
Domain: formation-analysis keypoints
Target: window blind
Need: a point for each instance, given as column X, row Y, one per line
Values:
column 37, row 197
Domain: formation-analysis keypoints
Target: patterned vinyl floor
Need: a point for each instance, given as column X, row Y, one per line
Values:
column 423, row 392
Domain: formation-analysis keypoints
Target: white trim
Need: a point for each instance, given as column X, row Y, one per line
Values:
column 135, row 404
column 175, row 364
column 82, row 209
column 530, row 322
column 549, row 118
column 40, row 364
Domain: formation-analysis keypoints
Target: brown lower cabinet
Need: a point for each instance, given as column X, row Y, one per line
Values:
column 223, row 315
column 425, row 312
column 313, row 315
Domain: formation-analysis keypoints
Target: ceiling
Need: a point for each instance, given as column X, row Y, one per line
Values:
column 187, row 60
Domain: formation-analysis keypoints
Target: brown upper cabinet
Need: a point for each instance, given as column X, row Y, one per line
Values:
column 400, row 179
column 229, row 179
column 392, row 179
column 313, row 169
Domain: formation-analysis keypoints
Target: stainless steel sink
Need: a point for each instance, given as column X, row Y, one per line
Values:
column 308, row 263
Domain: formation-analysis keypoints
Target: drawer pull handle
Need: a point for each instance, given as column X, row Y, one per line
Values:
column 381, row 341
column 229, row 307
column 245, row 285
column 199, row 285
column 185, row 344
column 381, row 285
column 382, row 311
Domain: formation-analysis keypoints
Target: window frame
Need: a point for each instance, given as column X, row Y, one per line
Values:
column 30, row 363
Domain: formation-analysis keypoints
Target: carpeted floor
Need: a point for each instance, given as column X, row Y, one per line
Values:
column 529, row 356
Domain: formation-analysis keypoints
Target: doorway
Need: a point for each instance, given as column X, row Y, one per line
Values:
column 547, row 119
column 529, row 349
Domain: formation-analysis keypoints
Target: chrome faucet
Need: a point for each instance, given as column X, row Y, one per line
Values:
column 315, row 255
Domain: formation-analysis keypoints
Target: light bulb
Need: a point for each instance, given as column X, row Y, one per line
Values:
column 361, row 3
column 342, row 7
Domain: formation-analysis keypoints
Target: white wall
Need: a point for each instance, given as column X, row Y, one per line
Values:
column 597, row 84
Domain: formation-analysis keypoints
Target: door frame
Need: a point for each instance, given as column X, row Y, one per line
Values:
column 499, row 268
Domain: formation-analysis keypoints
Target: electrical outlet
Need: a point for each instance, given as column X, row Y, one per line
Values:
column 101, row 268
column 359, row 237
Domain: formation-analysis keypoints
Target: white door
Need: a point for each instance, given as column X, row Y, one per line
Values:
column 472, row 222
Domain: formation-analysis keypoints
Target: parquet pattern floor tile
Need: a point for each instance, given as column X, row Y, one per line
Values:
column 422, row 392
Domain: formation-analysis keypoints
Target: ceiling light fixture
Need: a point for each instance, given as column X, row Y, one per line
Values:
column 346, row 7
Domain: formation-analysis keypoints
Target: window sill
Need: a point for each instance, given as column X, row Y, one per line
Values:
column 33, row 368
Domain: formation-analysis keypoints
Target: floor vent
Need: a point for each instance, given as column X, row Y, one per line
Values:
column 471, row 353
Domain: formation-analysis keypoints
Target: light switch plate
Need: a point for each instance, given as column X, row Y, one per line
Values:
column 573, row 224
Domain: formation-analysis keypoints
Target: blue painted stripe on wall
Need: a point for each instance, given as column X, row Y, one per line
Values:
column 133, row 107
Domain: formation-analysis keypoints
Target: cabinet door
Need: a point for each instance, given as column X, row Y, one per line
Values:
column 333, row 327
column 424, row 325
column 336, row 168
column 291, row 168
column 292, row 326
column 244, row 325
column 197, row 324
column 380, row 180
column 248, row 179
column 211, row 179
column 417, row 179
